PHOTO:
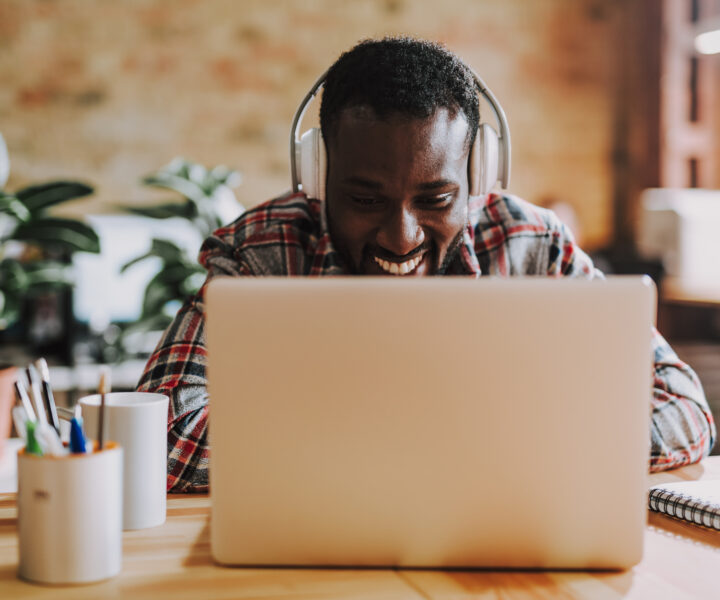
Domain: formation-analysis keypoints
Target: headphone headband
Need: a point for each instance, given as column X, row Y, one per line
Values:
column 503, row 135
column 294, row 136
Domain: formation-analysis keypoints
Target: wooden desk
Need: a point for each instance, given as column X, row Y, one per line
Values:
column 173, row 561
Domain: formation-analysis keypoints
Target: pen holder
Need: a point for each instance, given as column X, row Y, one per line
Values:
column 70, row 516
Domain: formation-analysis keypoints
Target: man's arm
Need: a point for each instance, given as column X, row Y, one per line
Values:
column 177, row 368
column 682, row 430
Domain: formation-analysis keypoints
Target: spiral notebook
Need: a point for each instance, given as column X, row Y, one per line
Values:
column 695, row 501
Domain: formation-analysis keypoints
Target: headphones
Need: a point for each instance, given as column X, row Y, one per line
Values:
column 488, row 163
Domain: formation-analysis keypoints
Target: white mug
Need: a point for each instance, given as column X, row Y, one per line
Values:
column 70, row 516
column 138, row 422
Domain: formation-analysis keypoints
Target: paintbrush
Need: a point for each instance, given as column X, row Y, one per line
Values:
column 103, row 389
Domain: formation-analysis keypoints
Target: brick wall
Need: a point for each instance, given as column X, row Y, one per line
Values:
column 108, row 91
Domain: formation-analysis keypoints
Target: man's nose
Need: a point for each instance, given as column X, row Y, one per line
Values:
column 400, row 233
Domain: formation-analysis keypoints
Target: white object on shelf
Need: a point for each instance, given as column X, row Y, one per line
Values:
column 680, row 228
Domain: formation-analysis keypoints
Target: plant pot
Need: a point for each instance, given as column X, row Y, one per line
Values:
column 8, row 375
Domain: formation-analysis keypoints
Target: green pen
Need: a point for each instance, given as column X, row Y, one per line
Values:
column 32, row 446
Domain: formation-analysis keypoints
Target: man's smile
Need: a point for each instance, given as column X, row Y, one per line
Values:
column 396, row 268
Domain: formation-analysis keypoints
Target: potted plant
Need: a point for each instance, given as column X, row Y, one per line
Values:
column 36, row 247
column 207, row 203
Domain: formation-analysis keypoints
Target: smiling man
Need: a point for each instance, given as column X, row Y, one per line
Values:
column 397, row 190
column 399, row 118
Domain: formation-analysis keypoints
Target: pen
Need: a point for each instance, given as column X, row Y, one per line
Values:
column 21, row 393
column 35, row 394
column 77, row 437
column 49, row 440
column 20, row 419
column 49, row 399
column 103, row 389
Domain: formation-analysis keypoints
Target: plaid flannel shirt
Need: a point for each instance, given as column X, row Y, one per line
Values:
column 506, row 236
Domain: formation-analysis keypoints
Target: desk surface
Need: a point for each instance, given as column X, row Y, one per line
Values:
column 173, row 561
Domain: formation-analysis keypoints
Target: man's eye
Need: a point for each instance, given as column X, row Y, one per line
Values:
column 365, row 200
column 437, row 201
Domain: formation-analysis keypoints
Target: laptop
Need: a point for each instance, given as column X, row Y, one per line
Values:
column 436, row 422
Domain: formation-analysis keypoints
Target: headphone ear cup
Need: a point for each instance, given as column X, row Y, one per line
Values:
column 486, row 155
column 313, row 164
column 474, row 166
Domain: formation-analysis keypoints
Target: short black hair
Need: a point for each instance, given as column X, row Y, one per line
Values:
column 399, row 75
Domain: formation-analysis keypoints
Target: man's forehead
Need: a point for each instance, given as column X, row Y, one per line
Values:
column 363, row 113
column 450, row 126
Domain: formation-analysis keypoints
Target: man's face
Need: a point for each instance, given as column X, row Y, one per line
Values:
column 397, row 191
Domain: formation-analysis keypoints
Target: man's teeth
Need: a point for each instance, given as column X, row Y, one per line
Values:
column 398, row 268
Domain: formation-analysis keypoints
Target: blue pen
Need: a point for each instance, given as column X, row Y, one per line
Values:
column 77, row 437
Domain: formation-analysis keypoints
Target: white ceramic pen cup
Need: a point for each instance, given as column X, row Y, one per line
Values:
column 70, row 516
column 138, row 422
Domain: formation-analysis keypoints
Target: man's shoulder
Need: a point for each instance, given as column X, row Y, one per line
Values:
column 513, row 236
column 294, row 214
column 513, row 214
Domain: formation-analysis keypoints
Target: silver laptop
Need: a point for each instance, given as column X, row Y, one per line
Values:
column 437, row 422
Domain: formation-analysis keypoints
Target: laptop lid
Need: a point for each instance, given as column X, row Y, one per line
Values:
column 436, row 422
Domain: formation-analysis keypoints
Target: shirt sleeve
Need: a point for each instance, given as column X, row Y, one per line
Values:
column 682, row 430
column 682, row 426
column 177, row 368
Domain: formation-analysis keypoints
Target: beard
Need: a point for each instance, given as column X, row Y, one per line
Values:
column 451, row 254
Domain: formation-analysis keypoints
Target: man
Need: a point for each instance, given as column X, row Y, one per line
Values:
column 398, row 117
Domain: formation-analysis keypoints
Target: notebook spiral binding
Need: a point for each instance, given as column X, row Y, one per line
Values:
column 687, row 508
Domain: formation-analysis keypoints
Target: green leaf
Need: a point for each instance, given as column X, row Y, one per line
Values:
column 198, row 173
column 193, row 283
column 207, row 220
column 162, row 211
column 225, row 175
column 157, row 294
column 40, row 197
column 67, row 234
column 9, row 310
column 176, row 274
column 12, row 206
column 13, row 278
column 167, row 250
column 44, row 274
column 178, row 166
column 189, row 189
column 135, row 260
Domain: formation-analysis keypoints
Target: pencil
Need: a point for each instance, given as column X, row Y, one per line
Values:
column 103, row 389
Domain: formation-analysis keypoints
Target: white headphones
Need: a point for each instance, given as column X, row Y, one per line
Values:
column 489, row 160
